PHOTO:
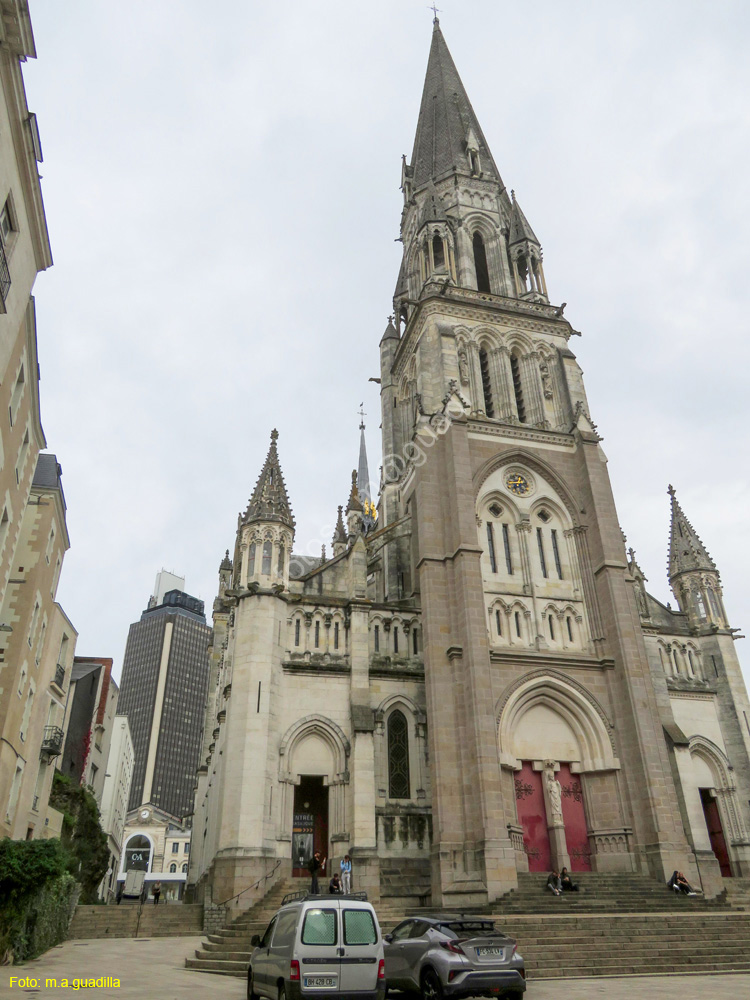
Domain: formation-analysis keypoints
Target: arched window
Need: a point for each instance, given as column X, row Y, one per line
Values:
column 713, row 603
column 438, row 252
column 415, row 640
column 138, row 853
column 480, row 264
column 700, row 607
column 282, row 553
column 551, row 628
column 398, row 756
column 251, row 560
column 515, row 369
column 184, row 869
column 484, row 366
column 267, row 551
column 173, row 867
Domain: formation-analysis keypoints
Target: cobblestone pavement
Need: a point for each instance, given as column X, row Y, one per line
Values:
column 153, row 969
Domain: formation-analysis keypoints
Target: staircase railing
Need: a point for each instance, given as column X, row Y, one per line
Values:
column 255, row 885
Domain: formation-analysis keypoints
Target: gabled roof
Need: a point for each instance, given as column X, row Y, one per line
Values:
column 687, row 553
column 269, row 501
column 446, row 122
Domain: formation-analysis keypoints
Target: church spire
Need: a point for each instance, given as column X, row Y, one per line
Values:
column 449, row 138
column 693, row 575
column 363, row 473
column 687, row 553
column 269, row 501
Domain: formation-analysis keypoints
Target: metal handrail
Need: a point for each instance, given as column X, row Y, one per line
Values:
column 303, row 894
column 255, row 885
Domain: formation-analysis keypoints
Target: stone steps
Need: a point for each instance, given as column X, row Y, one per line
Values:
column 129, row 921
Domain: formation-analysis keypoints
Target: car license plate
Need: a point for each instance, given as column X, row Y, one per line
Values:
column 490, row 952
column 320, row 982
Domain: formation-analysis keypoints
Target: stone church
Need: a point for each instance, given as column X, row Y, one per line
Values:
column 475, row 683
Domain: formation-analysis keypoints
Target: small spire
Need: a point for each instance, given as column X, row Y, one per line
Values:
column 340, row 536
column 390, row 333
column 363, row 471
column 269, row 501
column 687, row 553
column 520, row 230
column 226, row 562
column 354, row 503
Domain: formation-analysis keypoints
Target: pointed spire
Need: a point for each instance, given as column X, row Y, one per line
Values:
column 447, row 124
column 686, row 551
column 269, row 501
column 520, row 230
column 340, row 536
column 354, row 504
column 363, row 473
column 390, row 333
column 226, row 562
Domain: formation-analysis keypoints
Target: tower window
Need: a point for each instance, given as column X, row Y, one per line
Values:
column 398, row 756
column 377, row 638
column 496, row 510
column 395, row 640
column 251, row 560
column 515, row 369
column 542, row 560
column 438, row 253
column 484, row 366
column 336, row 635
column 551, row 628
column 317, row 634
column 267, row 552
column 517, row 617
column 281, row 559
column 480, row 264
column 713, row 603
column 296, row 632
column 506, row 543
column 414, row 640
column 498, row 622
column 556, row 553
column 491, row 546
column 570, row 629
column 699, row 605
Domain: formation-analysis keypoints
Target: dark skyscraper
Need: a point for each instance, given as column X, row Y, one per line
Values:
column 163, row 693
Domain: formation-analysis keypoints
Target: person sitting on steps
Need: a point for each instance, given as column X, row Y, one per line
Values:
column 566, row 882
column 679, row 883
column 334, row 885
column 553, row 883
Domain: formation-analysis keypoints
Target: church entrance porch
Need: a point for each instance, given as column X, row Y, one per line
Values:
column 310, row 824
column 551, row 814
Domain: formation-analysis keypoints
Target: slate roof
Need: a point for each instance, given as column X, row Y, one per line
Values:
column 446, row 120
column 48, row 474
column 520, row 230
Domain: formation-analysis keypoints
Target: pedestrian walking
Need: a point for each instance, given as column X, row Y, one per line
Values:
column 315, row 865
column 156, row 892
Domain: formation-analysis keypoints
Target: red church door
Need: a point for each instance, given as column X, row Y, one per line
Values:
column 716, row 832
column 532, row 816
column 574, row 818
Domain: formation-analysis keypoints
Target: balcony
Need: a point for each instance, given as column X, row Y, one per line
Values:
column 52, row 741
column 59, row 676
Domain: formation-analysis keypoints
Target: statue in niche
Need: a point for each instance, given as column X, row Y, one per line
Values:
column 546, row 379
column 463, row 367
column 554, row 794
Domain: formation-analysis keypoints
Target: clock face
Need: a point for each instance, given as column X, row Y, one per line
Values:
column 517, row 484
column 144, row 814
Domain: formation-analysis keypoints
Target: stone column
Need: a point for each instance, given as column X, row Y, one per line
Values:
column 475, row 369
column 523, row 528
column 503, row 380
column 555, row 822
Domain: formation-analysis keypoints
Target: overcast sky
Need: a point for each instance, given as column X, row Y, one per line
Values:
column 221, row 186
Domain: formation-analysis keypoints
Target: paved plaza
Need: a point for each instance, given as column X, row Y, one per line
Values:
column 153, row 969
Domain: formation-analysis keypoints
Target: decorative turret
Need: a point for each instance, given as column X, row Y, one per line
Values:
column 693, row 575
column 267, row 527
column 526, row 257
column 225, row 573
column 354, row 509
column 340, row 537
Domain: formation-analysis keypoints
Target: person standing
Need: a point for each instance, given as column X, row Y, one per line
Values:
column 314, row 866
column 156, row 890
column 346, row 875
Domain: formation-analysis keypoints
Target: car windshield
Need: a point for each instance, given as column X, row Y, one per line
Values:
column 465, row 928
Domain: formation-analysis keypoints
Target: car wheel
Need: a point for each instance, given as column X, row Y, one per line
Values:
column 432, row 988
column 251, row 994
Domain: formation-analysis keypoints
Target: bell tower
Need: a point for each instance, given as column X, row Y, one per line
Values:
column 530, row 620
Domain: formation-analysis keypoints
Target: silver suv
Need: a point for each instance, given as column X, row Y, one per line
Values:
column 319, row 946
column 449, row 955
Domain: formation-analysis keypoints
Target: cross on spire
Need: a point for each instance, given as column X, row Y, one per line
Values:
column 435, row 11
column 362, row 416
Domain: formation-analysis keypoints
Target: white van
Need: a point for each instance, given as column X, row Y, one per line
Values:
column 319, row 946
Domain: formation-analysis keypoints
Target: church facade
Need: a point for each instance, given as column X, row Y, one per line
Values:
column 476, row 682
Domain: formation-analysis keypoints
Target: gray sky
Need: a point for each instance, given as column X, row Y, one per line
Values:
column 221, row 185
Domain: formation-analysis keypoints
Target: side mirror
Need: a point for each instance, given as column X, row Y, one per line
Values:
column 388, row 938
column 255, row 940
